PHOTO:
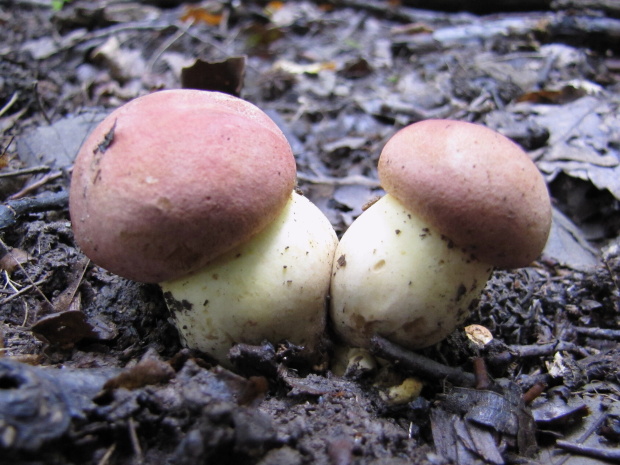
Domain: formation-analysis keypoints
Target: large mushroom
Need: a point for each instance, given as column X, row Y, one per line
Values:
column 461, row 200
column 194, row 190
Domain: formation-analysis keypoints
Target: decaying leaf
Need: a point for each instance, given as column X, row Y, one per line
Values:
column 149, row 370
column 558, row 414
column 13, row 259
column 222, row 76
column 202, row 14
column 464, row 419
column 64, row 328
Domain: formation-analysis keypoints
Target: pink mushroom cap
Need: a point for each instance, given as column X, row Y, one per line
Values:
column 170, row 181
column 473, row 185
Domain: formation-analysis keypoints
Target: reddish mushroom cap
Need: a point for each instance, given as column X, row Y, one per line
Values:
column 169, row 181
column 473, row 185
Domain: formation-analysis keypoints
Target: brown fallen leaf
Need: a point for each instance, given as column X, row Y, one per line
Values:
column 200, row 14
column 221, row 76
column 64, row 328
column 13, row 259
column 149, row 370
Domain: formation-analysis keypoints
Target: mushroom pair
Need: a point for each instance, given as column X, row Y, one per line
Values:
column 194, row 190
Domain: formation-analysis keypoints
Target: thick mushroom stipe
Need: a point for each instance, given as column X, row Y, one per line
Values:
column 272, row 287
column 396, row 276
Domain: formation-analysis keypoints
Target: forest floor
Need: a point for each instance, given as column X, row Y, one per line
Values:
column 91, row 367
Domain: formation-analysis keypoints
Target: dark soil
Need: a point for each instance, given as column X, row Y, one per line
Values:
column 92, row 370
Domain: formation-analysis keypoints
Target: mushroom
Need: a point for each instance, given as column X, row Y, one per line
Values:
column 194, row 190
column 461, row 200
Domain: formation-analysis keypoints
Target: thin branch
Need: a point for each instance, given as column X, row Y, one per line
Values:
column 25, row 289
column 516, row 352
column 135, row 441
column 108, row 453
column 602, row 333
column 35, row 185
column 166, row 45
column 353, row 180
column 611, row 455
column 9, row 104
column 419, row 364
column 40, row 103
column 13, row 209
column 26, row 171
column 586, row 434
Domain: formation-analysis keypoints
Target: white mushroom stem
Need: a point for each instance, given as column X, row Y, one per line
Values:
column 395, row 276
column 273, row 287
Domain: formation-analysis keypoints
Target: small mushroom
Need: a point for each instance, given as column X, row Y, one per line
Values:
column 461, row 199
column 194, row 190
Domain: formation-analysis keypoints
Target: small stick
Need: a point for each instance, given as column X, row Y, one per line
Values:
column 23, row 290
column 108, row 453
column 353, row 180
column 25, row 171
column 135, row 442
column 602, row 333
column 481, row 374
column 533, row 392
column 35, row 185
column 537, row 350
column 419, row 364
column 40, row 103
column 9, row 104
column 591, row 429
column 612, row 455
column 11, row 210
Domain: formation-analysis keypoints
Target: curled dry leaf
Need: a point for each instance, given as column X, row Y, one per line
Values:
column 13, row 259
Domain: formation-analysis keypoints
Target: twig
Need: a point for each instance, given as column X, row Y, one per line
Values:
column 26, row 314
column 4, row 150
column 166, row 45
column 419, row 364
column 4, row 250
column 108, row 453
column 612, row 455
column 40, row 103
column 612, row 275
column 9, row 104
column 533, row 393
column 384, row 10
column 602, row 333
column 586, row 434
column 35, row 185
column 482, row 375
column 536, row 350
column 25, row 171
column 23, row 290
column 112, row 30
column 135, row 442
column 13, row 209
column 8, row 281
column 346, row 181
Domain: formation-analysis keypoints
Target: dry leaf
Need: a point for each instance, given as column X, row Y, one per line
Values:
column 13, row 259
column 146, row 372
column 201, row 14
column 222, row 76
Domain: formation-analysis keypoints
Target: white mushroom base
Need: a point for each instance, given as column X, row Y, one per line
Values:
column 395, row 276
column 272, row 288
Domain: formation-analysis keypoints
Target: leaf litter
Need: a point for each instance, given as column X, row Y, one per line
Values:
column 94, row 359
